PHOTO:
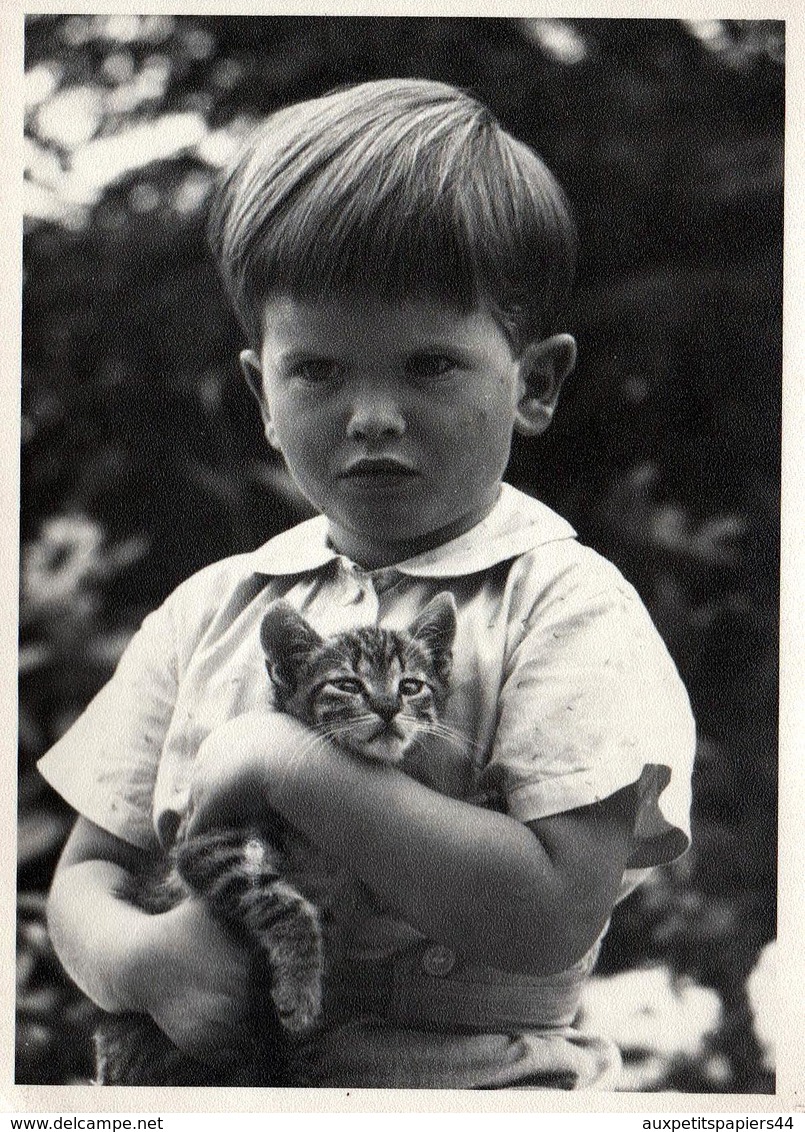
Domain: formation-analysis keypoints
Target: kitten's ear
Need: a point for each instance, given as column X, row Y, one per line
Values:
column 435, row 627
column 287, row 641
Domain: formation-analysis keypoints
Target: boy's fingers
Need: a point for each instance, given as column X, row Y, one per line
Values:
column 237, row 769
column 232, row 805
column 218, row 1038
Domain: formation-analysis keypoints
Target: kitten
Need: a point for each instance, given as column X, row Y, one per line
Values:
column 375, row 693
column 372, row 691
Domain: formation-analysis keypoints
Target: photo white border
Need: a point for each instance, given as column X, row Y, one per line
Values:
column 790, row 1096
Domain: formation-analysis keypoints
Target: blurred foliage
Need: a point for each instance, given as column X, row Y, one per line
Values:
column 143, row 460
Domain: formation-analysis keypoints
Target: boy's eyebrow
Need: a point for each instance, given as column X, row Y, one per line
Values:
column 301, row 353
column 459, row 351
column 295, row 354
column 438, row 346
column 424, row 346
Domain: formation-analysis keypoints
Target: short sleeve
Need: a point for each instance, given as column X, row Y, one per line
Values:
column 592, row 702
column 105, row 765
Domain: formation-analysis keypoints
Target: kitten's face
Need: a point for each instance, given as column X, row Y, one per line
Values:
column 372, row 691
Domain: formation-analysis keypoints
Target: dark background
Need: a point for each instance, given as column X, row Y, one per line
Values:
column 143, row 458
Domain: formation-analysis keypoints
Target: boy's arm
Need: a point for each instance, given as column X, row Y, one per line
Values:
column 522, row 898
column 527, row 898
column 180, row 967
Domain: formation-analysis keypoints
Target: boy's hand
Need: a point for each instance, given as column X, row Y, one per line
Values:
column 197, row 982
column 241, row 766
column 182, row 967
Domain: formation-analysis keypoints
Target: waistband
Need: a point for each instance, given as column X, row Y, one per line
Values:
column 428, row 986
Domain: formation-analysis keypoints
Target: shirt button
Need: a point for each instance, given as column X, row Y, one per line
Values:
column 438, row 960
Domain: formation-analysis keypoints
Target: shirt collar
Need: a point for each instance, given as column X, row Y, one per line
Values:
column 517, row 523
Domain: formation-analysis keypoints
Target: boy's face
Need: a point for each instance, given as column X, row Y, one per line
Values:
column 396, row 420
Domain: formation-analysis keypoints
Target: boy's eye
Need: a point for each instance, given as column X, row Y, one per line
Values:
column 347, row 684
column 315, row 369
column 430, row 365
column 408, row 686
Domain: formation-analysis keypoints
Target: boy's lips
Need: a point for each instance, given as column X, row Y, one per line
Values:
column 382, row 467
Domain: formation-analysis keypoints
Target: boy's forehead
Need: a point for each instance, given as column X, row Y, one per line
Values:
column 345, row 317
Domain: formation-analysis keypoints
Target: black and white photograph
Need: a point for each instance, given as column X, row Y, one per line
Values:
column 399, row 555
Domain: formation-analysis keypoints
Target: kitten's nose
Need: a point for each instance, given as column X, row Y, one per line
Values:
column 386, row 707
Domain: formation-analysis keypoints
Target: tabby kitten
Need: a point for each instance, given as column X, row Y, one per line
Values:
column 372, row 691
column 375, row 693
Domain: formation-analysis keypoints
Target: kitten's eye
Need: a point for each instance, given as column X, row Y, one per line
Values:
column 429, row 366
column 408, row 686
column 347, row 684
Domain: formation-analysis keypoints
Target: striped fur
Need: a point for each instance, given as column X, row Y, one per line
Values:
column 239, row 875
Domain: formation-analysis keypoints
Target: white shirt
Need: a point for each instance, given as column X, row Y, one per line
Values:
column 560, row 682
column 559, row 677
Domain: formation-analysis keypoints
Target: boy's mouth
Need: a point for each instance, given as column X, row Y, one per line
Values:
column 381, row 466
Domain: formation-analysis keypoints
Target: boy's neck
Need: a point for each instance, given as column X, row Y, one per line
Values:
column 372, row 554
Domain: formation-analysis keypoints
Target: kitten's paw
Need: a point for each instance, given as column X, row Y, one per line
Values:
column 298, row 1006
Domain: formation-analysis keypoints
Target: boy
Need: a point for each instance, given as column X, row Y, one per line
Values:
column 398, row 263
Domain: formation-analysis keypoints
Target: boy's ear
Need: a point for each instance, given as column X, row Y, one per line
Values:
column 544, row 366
column 253, row 372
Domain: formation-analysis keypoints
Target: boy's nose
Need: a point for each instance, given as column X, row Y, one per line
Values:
column 374, row 418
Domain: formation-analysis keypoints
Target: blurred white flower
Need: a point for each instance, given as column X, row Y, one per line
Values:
column 761, row 989
column 650, row 1009
column 198, row 43
column 712, row 540
column 125, row 29
column 192, row 192
column 40, row 83
column 41, row 203
column 652, row 1016
column 71, row 117
column 154, row 29
column 557, row 38
column 57, row 565
column 118, row 67
column 41, row 165
column 62, row 566
column 108, row 159
column 217, row 147
column 147, row 85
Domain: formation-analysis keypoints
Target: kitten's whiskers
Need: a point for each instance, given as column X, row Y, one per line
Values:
column 452, row 735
